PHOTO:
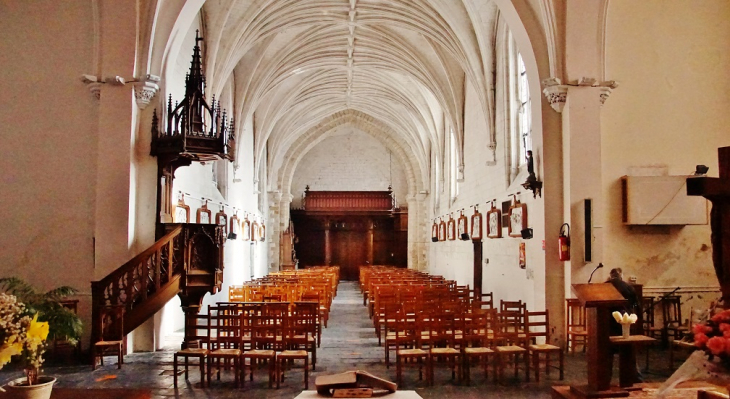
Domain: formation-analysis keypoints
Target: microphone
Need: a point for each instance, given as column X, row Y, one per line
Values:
column 600, row 265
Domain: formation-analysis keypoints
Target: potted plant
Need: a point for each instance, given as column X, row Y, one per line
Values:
column 27, row 319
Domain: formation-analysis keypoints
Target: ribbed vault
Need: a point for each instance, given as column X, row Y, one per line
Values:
column 397, row 67
column 416, row 173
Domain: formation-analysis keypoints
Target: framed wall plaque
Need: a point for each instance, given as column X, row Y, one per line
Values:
column 442, row 231
column 517, row 219
column 476, row 225
column 235, row 227
column 254, row 231
column 246, row 227
column 203, row 214
column 434, row 232
column 451, row 229
column 221, row 219
column 182, row 211
column 462, row 227
column 494, row 222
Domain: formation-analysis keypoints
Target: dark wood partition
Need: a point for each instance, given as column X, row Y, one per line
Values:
column 350, row 229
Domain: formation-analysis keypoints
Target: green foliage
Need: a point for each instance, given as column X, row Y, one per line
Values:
column 63, row 323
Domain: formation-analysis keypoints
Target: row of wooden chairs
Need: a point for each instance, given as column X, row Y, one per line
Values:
column 491, row 338
column 273, row 333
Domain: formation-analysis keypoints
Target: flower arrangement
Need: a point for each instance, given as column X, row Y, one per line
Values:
column 626, row 320
column 28, row 318
column 713, row 336
column 21, row 335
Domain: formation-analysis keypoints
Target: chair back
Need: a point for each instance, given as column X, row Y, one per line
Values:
column 112, row 323
column 538, row 325
column 575, row 315
column 672, row 310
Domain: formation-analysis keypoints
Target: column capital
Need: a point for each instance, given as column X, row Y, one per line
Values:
column 557, row 93
column 93, row 84
column 274, row 196
column 145, row 89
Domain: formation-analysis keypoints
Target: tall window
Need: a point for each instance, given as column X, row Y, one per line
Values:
column 524, row 112
column 453, row 165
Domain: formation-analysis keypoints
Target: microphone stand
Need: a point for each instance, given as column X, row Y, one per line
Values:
column 600, row 265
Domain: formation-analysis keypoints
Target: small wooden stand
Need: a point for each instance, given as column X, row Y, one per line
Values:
column 598, row 300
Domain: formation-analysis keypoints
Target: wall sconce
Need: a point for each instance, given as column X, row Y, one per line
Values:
column 532, row 183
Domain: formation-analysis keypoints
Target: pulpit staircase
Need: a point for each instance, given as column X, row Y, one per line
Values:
column 187, row 261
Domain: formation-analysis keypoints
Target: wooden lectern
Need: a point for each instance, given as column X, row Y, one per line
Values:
column 599, row 299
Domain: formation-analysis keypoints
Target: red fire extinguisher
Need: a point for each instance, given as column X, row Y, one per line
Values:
column 564, row 242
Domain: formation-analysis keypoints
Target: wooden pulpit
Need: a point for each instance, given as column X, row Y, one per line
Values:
column 599, row 299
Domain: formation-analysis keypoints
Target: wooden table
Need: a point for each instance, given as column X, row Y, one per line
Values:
column 627, row 356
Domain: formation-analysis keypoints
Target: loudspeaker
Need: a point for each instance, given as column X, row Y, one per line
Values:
column 526, row 233
column 588, row 232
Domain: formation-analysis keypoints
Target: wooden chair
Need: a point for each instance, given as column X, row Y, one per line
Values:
column 415, row 352
column 478, row 337
column 538, row 327
column 265, row 339
column 292, row 341
column 575, row 324
column 442, row 335
column 511, row 343
column 226, row 347
column 396, row 330
column 673, row 323
column 307, row 314
column 192, row 349
column 112, row 336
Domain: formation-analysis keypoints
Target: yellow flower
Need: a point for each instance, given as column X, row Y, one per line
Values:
column 37, row 332
column 9, row 349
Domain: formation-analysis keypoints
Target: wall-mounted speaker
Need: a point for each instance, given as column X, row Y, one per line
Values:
column 526, row 233
column 588, row 232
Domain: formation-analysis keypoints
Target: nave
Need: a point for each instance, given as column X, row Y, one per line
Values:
column 348, row 343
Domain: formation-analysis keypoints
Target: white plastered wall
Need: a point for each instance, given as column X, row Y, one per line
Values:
column 670, row 111
column 349, row 160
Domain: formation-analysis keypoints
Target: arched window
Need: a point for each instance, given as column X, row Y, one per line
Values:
column 524, row 121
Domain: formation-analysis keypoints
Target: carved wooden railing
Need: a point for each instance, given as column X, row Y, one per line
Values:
column 187, row 261
column 348, row 201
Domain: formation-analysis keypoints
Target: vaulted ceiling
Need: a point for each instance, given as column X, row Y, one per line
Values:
column 400, row 63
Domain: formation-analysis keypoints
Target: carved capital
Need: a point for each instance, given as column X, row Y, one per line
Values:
column 145, row 90
column 492, row 146
column 555, row 93
column 605, row 92
column 93, row 84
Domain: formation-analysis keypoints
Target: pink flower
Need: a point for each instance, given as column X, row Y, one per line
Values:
column 716, row 345
column 722, row 316
column 703, row 329
column 700, row 340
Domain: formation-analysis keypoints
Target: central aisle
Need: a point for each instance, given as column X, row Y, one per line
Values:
column 349, row 341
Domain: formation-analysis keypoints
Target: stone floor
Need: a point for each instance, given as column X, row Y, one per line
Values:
column 348, row 344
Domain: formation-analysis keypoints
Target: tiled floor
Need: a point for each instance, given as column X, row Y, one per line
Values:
column 348, row 344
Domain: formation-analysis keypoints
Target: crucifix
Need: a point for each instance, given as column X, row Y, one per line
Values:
column 717, row 190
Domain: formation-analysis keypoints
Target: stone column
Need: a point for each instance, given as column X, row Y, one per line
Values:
column 327, row 244
column 416, row 232
column 114, row 227
column 274, row 229
column 370, row 239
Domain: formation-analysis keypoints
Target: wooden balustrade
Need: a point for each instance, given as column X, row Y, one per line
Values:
column 187, row 261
